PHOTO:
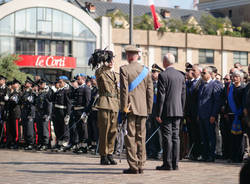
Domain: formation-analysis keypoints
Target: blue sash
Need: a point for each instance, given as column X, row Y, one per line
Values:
column 138, row 79
column 236, row 125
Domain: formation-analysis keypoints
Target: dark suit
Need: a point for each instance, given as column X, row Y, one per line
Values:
column 209, row 104
column 169, row 106
column 192, row 110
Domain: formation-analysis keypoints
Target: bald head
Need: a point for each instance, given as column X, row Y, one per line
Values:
column 168, row 60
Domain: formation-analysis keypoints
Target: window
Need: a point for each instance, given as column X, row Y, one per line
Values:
column 230, row 13
column 206, row 56
column 43, row 47
column 81, row 31
column 241, row 57
column 173, row 50
column 44, row 21
column 25, row 46
column 7, row 25
column 6, row 45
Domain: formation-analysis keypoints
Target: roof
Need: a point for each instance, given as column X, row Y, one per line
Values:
column 102, row 8
column 220, row 4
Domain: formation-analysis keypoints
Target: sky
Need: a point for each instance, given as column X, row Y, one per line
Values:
column 184, row 4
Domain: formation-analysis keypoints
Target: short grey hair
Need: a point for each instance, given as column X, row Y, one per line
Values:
column 169, row 58
column 238, row 73
column 209, row 69
column 198, row 66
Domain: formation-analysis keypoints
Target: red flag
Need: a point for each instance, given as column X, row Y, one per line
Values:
column 156, row 22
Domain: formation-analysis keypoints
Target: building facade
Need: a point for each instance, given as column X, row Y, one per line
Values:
column 237, row 10
column 219, row 51
column 52, row 37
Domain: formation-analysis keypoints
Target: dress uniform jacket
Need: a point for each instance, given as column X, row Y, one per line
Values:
column 107, row 81
column 141, row 98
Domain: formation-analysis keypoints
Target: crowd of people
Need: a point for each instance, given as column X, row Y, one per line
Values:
column 216, row 120
column 209, row 114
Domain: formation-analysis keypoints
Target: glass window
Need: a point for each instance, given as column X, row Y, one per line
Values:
column 20, row 22
column 43, row 47
column 173, row 50
column 44, row 21
column 25, row 46
column 57, row 23
column 241, row 57
column 67, row 25
column 82, row 51
column 81, row 31
column 6, row 45
column 206, row 56
column 31, row 21
column 7, row 25
column 59, row 48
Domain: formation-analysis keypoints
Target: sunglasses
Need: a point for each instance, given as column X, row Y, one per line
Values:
column 226, row 79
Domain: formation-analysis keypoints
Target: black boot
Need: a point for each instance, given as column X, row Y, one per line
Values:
column 111, row 160
column 104, row 160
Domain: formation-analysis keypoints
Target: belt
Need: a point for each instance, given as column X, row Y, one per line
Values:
column 60, row 106
column 78, row 108
column 107, row 94
column 2, row 103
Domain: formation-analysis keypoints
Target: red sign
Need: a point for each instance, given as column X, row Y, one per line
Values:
column 46, row 61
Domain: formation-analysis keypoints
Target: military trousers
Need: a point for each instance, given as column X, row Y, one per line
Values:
column 107, row 124
column 61, row 129
column 12, row 126
column 81, row 128
column 28, row 130
column 135, row 141
column 43, row 130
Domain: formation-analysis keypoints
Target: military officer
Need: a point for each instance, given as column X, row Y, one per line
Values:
column 154, row 145
column 137, row 93
column 82, row 96
column 28, row 114
column 108, row 107
column 61, row 114
column 43, row 106
column 14, row 115
column 3, row 92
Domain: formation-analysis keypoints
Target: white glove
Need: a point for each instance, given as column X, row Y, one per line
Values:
column 14, row 98
column 30, row 98
column 84, row 117
column 66, row 119
column 46, row 117
column 6, row 98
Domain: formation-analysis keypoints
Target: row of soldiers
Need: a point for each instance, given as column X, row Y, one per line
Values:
column 68, row 104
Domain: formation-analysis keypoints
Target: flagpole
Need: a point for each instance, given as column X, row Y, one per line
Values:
column 131, row 21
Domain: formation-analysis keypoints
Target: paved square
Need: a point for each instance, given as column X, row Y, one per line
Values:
column 20, row 167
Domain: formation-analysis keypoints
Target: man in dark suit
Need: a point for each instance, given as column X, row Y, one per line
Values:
column 208, row 108
column 169, row 111
column 195, row 140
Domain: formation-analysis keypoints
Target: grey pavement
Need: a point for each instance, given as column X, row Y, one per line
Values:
column 20, row 167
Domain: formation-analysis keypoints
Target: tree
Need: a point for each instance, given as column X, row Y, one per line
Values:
column 176, row 25
column 9, row 69
column 144, row 22
column 245, row 29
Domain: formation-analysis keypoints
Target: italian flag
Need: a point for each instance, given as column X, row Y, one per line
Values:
column 152, row 7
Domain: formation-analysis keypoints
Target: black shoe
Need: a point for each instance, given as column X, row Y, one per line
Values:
column 111, row 160
column 175, row 168
column 140, row 171
column 104, row 160
column 43, row 148
column 130, row 171
column 210, row 159
column 163, row 167
column 29, row 147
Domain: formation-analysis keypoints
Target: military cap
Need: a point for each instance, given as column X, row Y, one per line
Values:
column 2, row 77
column 63, row 77
column 156, row 68
column 188, row 66
column 9, row 83
column 93, row 77
column 132, row 48
column 15, row 81
column 80, row 74
column 41, row 81
column 29, row 80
